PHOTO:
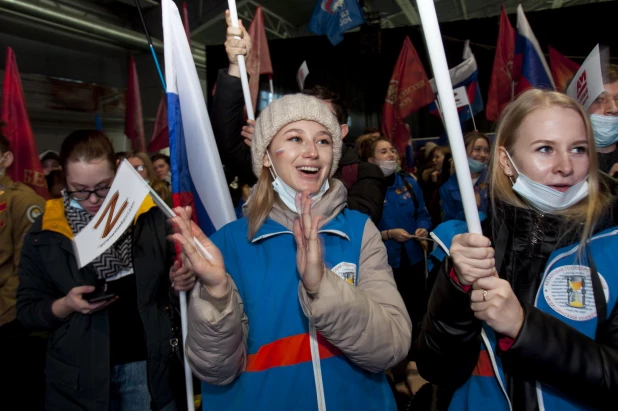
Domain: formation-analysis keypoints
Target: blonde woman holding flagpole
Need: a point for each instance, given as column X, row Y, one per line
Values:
column 297, row 309
column 528, row 320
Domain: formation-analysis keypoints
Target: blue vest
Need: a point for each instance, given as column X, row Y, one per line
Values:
column 279, row 374
column 565, row 293
column 452, row 205
column 400, row 212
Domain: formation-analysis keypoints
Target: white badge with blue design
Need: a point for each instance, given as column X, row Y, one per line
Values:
column 346, row 271
column 568, row 290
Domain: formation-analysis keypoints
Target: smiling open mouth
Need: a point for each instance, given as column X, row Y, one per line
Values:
column 308, row 170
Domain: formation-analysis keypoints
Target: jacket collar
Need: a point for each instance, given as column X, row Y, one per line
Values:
column 55, row 220
column 281, row 219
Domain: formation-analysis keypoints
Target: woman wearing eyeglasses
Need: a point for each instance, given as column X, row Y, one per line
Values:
column 111, row 352
column 143, row 165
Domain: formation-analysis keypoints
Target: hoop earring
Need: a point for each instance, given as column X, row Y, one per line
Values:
column 510, row 178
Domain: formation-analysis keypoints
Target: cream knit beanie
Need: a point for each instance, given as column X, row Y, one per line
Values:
column 286, row 110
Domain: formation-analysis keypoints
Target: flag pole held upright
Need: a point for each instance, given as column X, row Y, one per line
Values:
column 435, row 48
column 241, row 64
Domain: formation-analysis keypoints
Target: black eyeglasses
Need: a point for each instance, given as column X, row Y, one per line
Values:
column 139, row 168
column 81, row 195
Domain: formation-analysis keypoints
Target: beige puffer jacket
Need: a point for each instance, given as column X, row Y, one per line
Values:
column 377, row 337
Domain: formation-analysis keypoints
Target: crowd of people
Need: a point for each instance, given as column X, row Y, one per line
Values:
column 329, row 285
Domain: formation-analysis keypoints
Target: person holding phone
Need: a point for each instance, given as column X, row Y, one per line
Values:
column 297, row 309
column 110, row 332
column 524, row 317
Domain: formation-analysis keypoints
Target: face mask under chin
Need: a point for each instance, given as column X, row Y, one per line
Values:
column 287, row 194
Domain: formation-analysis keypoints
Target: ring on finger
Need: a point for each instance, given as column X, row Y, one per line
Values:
column 484, row 295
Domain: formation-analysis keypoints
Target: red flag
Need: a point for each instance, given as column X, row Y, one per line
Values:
column 408, row 91
column 160, row 134
column 185, row 21
column 562, row 69
column 133, row 120
column 259, row 60
column 26, row 166
column 501, row 85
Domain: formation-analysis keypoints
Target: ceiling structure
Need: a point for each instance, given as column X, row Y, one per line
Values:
column 117, row 21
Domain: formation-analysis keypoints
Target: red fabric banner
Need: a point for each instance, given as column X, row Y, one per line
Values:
column 26, row 166
column 562, row 69
column 500, row 87
column 160, row 134
column 259, row 60
column 133, row 119
column 408, row 91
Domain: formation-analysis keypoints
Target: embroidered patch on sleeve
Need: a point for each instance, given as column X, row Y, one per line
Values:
column 33, row 212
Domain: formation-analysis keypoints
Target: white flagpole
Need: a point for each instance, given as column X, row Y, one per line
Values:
column 435, row 48
column 472, row 116
column 231, row 4
column 184, row 323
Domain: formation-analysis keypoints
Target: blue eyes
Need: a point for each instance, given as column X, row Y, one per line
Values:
column 297, row 139
column 575, row 150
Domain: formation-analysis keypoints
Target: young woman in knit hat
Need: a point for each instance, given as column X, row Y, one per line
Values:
column 297, row 309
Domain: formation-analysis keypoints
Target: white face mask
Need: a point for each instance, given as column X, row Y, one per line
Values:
column 287, row 194
column 545, row 198
column 605, row 129
column 388, row 167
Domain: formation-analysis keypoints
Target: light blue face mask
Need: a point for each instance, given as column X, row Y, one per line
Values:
column 75, row 204
column 475, row 165
column 605, row 130
column 287, row 194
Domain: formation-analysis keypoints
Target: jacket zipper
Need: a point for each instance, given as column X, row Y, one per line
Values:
column 495, row 367
column 317, row 369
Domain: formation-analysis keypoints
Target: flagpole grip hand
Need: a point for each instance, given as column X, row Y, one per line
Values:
column 309, row 260
column 209, row 270
column 237, row 42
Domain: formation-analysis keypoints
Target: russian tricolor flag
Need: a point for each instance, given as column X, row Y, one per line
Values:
column 465, row 75
column 197, row 174
column 529, row 57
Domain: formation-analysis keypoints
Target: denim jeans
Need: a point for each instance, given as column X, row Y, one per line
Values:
column 129, row 388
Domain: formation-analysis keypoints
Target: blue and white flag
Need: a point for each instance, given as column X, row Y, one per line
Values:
column 197, row 173
column 530, row 58
column 334, row 17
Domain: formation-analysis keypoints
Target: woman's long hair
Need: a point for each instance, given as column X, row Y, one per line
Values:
column 586, row 212
column 260, row 203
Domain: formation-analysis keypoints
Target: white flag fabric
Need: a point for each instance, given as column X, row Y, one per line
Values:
column 116, row 214
column 587, row 84
column 461, row 96
column 197, row 172
column 301, row 75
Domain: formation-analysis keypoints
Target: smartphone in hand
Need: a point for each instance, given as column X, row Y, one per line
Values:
column 99, row 294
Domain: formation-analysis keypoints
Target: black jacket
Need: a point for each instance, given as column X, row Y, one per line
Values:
column 546, row 349
column 78, row 355
column 227, row 116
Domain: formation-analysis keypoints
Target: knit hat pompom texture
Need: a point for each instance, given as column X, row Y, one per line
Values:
column 286, row 110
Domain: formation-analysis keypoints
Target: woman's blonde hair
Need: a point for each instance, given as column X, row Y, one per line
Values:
column 153, row 179
column 588, row 211
column 259, row 204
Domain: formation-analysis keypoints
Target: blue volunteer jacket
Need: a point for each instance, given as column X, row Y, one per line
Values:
column 280, row 373
column 452, row 205
column 401, row 212
column 565, row 293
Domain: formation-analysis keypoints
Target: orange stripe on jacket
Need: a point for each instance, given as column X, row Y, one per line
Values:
column 483, row 366
column 288, row 351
